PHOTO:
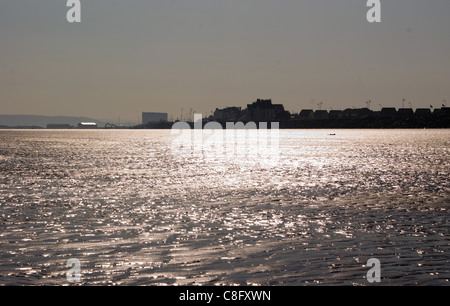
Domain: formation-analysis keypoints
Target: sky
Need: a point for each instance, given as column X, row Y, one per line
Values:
column 174, row 56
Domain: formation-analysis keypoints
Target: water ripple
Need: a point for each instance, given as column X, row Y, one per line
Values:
column 134, row 213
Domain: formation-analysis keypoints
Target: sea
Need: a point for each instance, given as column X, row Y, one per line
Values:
column 139, row 207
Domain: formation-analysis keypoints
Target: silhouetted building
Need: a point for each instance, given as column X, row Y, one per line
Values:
column 153, row 117
column 438, row 111
column 282, row 116
column 357, row 113
column 321, row 115
column 335, row 114
column 263, row 110
column 365, row 113
column 423, row 112
column 445, row 111
column 350, row 113
column 229, row 114
column 404, row 112
column 388, row 112
column 306, row 114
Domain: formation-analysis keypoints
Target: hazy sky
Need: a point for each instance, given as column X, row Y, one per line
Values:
column 126, row 57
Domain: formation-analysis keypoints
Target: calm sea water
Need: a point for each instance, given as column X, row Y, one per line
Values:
column 134, row 212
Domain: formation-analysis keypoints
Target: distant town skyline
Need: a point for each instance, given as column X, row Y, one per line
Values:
column 125, row 58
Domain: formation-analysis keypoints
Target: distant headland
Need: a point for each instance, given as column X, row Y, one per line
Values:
column 41, row 122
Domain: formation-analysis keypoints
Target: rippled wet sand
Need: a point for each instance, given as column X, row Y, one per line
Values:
column 135, row 213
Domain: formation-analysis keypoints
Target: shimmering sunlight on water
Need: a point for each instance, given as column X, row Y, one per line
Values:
column 133, row 211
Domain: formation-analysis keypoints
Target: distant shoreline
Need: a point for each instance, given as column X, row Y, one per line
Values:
column 265, row 111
